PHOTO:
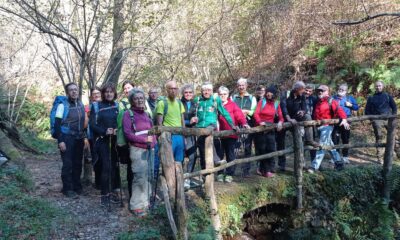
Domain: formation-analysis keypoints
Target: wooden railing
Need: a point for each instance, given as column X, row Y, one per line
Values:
column 173, row 177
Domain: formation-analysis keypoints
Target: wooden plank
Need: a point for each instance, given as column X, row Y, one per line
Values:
column 388, row 157
column 298, row 164
column 181, row 203
column 276, row 154
column 209, row 186
column 168, row 163
column 170, row 215
column 206, row 131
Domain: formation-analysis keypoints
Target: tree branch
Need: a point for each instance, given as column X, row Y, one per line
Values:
column 367, row 18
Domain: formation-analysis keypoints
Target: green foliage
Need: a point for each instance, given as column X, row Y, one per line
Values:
column 234, row 220
column 35, row 116
column 199, row 224
column 23, row 216
column 153, row 226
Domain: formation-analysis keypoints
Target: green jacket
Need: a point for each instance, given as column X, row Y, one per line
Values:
column 207, row 111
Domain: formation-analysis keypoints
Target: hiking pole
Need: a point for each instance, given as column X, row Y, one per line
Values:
column 120, row 182
column 154, row 194
column 149, row 178
column 109, row 174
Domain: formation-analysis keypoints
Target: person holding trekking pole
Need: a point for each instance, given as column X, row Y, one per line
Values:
column 104, row 125
column 136, row 124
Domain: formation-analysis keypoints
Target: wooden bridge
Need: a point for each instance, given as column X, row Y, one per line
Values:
column 172, row 178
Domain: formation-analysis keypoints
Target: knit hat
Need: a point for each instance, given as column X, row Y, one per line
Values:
column 272, row 89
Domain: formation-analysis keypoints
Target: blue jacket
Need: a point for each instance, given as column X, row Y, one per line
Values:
column 380, row 104
column 342, row 103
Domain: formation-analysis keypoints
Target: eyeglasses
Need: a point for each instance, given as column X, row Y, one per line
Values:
column 342, row 90
column 188, row 92
column 173, row 88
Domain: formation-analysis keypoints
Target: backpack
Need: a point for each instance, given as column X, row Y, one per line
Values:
column 95, row 105
column 121, row 141
column 276, row 105
column 165, row 111
column 57, row 101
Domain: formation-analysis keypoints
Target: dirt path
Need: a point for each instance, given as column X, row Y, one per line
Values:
column 87, row 219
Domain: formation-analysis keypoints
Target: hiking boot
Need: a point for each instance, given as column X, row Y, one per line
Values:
column 339, row 166
column 220, row 178
column 228, row 179
column 140, row 213
column 269, row 174
column 71, row 194
column 220, row 162
column 313, row 144
column 311, row 170
column 79, row 191
column 186, row 184
column 346, row 160
column 105, row 201
column 114, row 198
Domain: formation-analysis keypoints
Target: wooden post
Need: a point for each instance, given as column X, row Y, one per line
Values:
column 388, row 157
column 209, row 186
column 168, row 163
column 180, row 203
column 298, row 164
column 170, row 215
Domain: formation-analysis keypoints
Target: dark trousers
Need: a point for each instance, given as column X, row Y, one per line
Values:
column 227, row 148
column 339, row 132
column 72, row 164
column 280, row 145
column 248, row 145
column 201, row 144
column 96, row 164
column 110, row 178
column 265, row 143
column 191, row 152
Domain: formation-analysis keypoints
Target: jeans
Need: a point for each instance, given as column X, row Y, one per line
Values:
column 325, row 139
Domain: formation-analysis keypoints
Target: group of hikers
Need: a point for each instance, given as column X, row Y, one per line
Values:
column 118, row 131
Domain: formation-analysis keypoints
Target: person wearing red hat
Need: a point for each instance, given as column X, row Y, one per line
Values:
column 327, row 108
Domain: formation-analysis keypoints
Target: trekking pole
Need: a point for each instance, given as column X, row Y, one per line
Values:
column 154, row 194
column 109, row 173
column 149, row 178
column 120, row 182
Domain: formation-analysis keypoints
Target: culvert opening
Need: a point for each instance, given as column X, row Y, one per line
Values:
column 268, row 222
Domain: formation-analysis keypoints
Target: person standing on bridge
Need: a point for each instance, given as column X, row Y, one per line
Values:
column 208, row 107
column 137, row 122
column 190, row 141
column 227, row 146
column 247, row 103
column 296, row 111
column 381, row 103
column 170, row 112
column 327, row 108
column 348, row 104
column 268, row 111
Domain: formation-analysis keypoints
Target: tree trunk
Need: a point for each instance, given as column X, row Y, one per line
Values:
column 168, row 163
column 117, row 54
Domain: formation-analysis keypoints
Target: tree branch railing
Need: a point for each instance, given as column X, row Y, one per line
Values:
column 171, row 175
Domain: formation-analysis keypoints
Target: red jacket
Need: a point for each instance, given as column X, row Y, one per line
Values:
column 322, row 110
column 267, row 113
column 236, row 114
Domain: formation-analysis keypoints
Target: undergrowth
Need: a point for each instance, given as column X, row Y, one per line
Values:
column 23, row 216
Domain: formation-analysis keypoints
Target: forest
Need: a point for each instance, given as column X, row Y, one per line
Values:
column 45, row 45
